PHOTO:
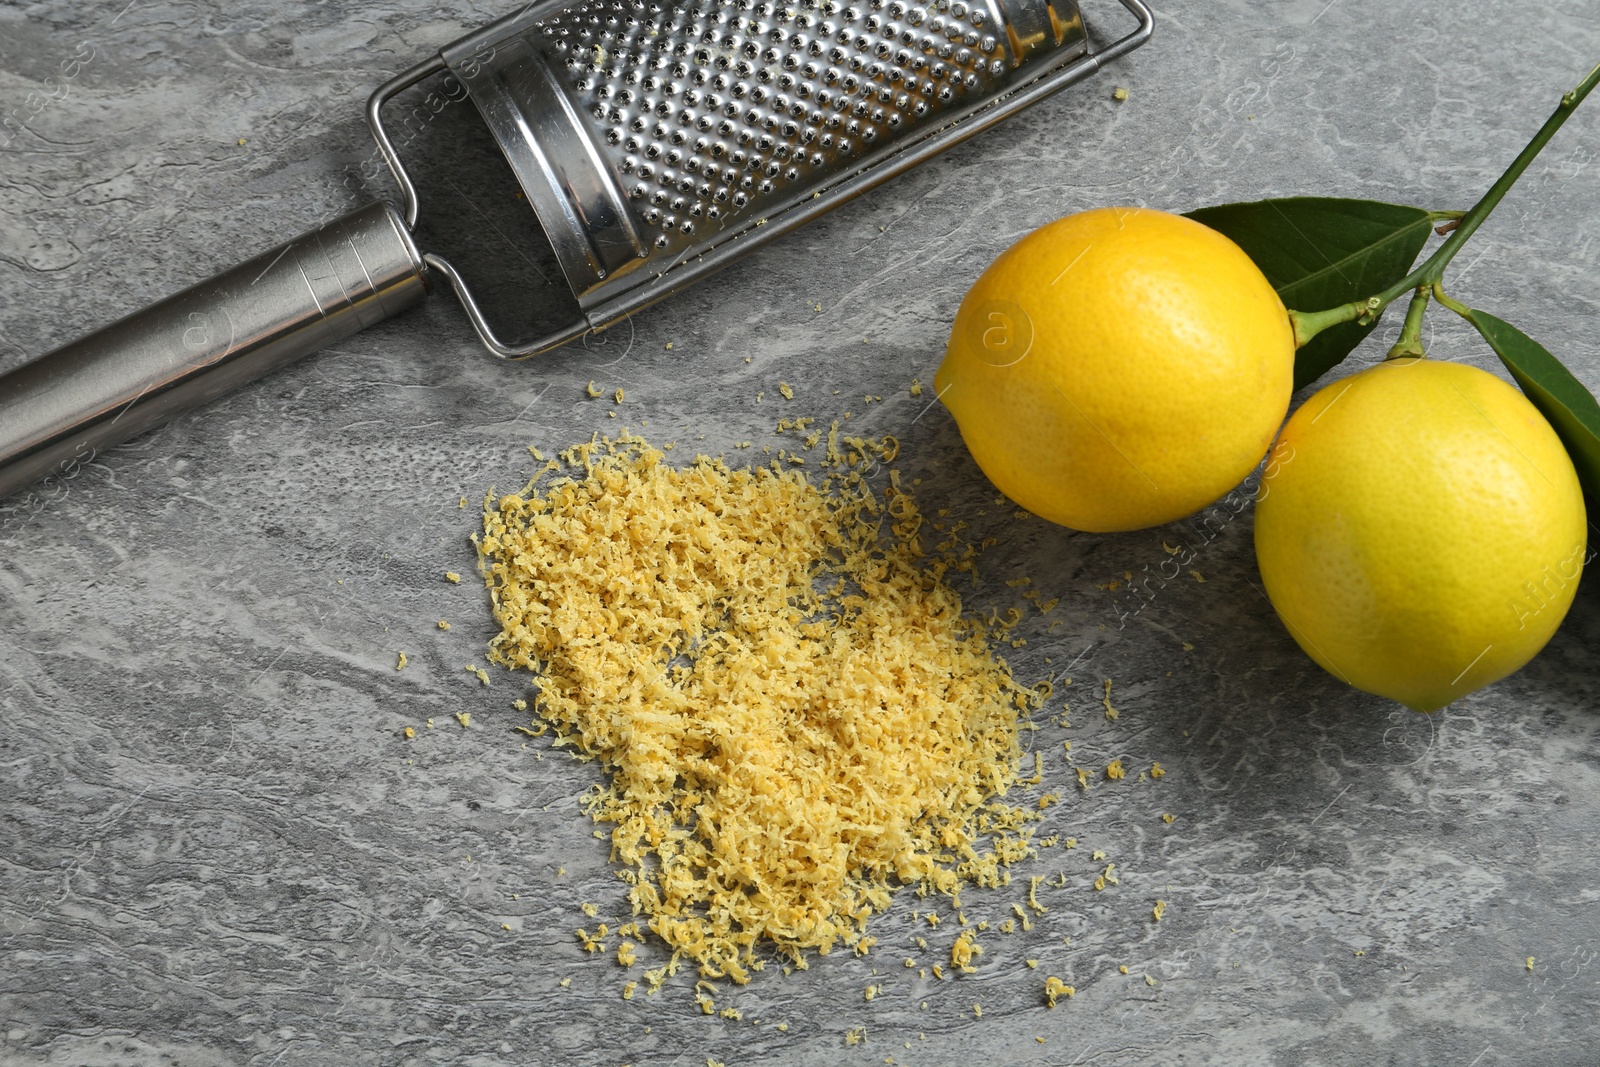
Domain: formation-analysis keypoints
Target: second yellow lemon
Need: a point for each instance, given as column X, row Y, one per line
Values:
column 1422, row 530
column 1119, row 368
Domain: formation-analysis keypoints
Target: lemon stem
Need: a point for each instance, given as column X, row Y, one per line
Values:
column 1308, row 324
column 1454, row 305
column 1410, row 343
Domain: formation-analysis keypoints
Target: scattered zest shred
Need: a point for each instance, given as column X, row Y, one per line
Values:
column 963, row 951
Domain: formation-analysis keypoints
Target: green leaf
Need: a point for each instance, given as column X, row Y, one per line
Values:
column 1570, row 407
column 1320, row 252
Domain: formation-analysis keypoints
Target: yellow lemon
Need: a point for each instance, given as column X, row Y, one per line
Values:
column 1420, row 530
column 1119, row 368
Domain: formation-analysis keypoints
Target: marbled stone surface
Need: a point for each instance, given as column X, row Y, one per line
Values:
column 217, row 848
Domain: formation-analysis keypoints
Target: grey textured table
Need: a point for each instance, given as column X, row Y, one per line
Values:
column 216, row 846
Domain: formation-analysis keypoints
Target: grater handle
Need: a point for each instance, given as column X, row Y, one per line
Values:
column 59, row 411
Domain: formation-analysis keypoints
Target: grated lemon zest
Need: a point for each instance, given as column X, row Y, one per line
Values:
column 778, row 759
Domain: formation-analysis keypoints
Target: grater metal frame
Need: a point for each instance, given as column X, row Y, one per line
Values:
column 700, row 261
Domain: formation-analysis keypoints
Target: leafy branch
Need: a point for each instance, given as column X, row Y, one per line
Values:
column 1427, row 279
column 1356, row 257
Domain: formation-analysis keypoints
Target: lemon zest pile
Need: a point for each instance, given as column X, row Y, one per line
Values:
column 794, row 714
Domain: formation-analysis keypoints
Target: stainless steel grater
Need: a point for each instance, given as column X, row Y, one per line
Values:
column 656, row 141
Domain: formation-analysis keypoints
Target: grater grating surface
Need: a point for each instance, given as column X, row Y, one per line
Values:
column 658, row 140
column 713, row 110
